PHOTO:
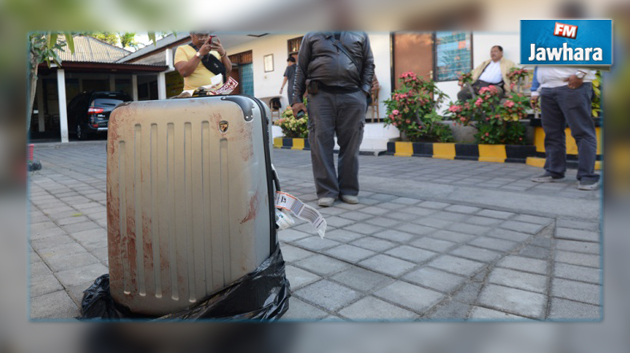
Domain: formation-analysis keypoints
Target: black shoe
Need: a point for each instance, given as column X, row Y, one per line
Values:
column 548, row 178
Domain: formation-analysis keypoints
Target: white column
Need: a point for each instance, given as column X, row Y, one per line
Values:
column 40, row 105
column 161, row 85
column 134, row 87
column 112, row 83
column 63, row 114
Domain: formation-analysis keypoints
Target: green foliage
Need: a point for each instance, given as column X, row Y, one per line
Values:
column 413, row 109
column 43, row 47
column 597, row 95
column 108, row 37
column 496, row 123
column 291, row 126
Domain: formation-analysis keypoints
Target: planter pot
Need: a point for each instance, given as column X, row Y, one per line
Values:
column 472, row 152
column 538, row 160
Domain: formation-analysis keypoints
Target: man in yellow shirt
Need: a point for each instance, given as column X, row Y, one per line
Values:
column 201, row 60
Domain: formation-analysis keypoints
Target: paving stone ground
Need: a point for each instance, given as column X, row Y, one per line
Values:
column 430, row 240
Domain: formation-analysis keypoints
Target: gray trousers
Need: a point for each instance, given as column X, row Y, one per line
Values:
column 342, row 115
column 562, row 105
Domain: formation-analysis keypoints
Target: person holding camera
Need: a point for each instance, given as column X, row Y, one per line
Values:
column 289, row 76
column 201, row 60
column 339, row 68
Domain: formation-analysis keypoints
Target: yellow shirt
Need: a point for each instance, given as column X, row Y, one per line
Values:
column 201, row 76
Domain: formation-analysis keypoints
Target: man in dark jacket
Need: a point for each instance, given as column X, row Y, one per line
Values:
column 336, row 68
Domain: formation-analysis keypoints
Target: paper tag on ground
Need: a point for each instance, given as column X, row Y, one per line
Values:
column 302, row 211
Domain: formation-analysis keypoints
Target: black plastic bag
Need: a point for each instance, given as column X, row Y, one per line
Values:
column 261, row 295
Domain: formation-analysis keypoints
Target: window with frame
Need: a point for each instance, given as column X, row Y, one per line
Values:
column 453, row 55
column 293, row 46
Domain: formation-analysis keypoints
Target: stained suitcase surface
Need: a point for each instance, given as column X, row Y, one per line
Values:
column 188, row 199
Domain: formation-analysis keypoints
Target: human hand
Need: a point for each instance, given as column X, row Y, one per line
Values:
column 298, row 107
column 216, row 45
column 205, row 48
column 574, row 82
column 534, row 102
column 281, row 89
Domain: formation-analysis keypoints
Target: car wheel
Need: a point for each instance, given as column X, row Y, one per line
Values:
column 80, row 134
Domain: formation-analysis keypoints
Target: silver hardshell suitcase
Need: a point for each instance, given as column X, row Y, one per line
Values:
column 189, row 199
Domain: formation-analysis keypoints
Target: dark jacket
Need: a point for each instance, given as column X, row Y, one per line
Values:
column 320, row 60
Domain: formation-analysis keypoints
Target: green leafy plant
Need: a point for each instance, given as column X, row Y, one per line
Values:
column 496, row 122
column 291, row 126
column 413, row 109
column 597, row 95
column 516, row 74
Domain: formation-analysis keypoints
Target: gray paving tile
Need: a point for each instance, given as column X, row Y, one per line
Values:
column 77, row 227
column 468, row 228
column 291, row 253
column 533, row 219
column 576, row 234
column 60, row 261
column 56, row 305
column 45, row 284
column 343, row 235
column 299, row 310
column 493, row 243
column 373, row 309
column 412, row 254
column 328, row 295
column 392, row 206
column 72, row 220
column 450, row 216
column 349, row 253
column 315, row 243
column 432, row 222
column 321, row 265
column 433, row 244
column 475, row 253
column 577, row 291
column 90, row 236
column 406, row 201
column 374, row 244
column 418, row 211
column 387, row 265
column 375, row 211
column 80, row 275
column 452, row 310
column 402, row 216
column 578, row 259
column 291, row 235
column 394, row 235
column 524, row 264
column 578, row 246
column 356, row 216
column 514, row 301
column 383, row 222
column 495, row 214
column 452, row 236
column 565, row 223
column 435, row 279
column 364, row 228
column 518, row 279
column 51, row 241
column 508, row 235
column 101, row 254
column 410, row 296
column 415, row 229
column 456, row 265
column 361, row 279
column 577, row 273
column 536, row 252
column 37, row 269
column 46, row 232
column 479, row 313
column 562, row 309
column 338, row 222
column 468, row 293
column 523, row 227
column 462, row 209
column 543, row 241
column 483, row 221
column 434, row 205
column 300, row 278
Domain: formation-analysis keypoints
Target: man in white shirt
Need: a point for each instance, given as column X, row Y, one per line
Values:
column 491, row 72
column 566, row 94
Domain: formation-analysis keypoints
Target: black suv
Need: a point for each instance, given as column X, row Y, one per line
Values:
column 88, row 112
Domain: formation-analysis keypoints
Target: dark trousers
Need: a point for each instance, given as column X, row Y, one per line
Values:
column 342, row 115
column 562, row 105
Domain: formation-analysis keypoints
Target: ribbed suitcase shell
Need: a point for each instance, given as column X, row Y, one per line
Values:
column 188, row 206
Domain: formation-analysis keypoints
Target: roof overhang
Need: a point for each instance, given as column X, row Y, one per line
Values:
column 105, row 67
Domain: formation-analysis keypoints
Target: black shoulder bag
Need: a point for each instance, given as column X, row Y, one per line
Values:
column 213, row 64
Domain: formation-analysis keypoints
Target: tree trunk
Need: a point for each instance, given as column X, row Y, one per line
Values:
column 32, row 89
